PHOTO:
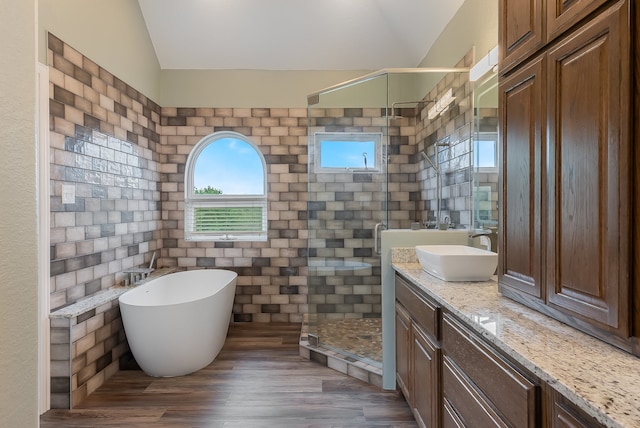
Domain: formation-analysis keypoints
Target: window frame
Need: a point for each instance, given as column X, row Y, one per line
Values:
column 192, row 200
column 347, row 137
column 487, row 137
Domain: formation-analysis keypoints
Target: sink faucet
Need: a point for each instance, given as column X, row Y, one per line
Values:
column 491, row 234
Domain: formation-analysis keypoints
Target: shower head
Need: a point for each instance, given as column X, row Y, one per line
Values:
column 426, row 157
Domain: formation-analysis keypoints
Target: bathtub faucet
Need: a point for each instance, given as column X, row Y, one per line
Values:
column 136, row 275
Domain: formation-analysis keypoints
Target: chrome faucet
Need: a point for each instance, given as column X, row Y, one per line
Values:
column 137, row 275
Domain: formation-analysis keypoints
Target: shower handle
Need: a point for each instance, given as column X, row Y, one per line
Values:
column 376, row 231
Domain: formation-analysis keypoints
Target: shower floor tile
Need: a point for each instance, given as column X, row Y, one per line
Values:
column 361, row 337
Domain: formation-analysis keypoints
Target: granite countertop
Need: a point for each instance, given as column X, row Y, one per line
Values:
column 602, row 380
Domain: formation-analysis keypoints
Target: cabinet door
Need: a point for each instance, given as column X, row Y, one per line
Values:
column 589, row 90
column 403, row 343
column 566, row 415
column 521, row 30
column 521, row 154
column 562, row 14
column 426, row 375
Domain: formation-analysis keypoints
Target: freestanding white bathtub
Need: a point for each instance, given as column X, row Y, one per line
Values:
column 176, row 324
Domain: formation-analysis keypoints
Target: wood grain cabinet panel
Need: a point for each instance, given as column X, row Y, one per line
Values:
column 450, row 418
column 521, row 31
column 418, row 354
column 426, row 374
column 564, row 414
column 467, row 405
column 565, row 419
column 422, row 312
column 562, row 14
column 589, row 200
column 521, row 121
column 567, row 126
column 403, row 343
column 510, row 392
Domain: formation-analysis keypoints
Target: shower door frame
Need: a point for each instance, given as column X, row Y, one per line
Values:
column 387, row 285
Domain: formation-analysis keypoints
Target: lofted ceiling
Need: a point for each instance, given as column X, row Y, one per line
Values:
column 294, row 34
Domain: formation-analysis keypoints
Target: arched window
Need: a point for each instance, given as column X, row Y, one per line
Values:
column 225, row 190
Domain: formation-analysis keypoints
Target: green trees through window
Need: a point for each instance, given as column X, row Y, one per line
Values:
column 225, row 190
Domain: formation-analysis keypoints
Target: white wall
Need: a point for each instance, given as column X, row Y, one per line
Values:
column 18, row 238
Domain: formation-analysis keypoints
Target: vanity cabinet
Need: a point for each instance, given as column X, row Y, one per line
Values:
column 403, row 351
column 566, row 125
column 452, row 377
column 418, row 353
column 564, row 414
column 447, row 374
column 481, row 386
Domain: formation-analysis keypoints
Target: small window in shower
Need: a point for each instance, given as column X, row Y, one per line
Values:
column 486, row 152
column 350, row 151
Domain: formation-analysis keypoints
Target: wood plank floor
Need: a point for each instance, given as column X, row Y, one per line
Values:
column 257, row 380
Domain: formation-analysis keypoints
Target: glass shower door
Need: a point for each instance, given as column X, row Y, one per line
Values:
column 347, row 198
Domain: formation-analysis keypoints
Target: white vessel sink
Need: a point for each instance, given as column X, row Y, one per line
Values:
column 457, row 262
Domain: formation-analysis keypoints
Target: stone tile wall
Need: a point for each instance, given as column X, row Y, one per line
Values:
column 344, row 207
column 454, row 128
column 272, row 282
column 85, row 351
column 103, row 137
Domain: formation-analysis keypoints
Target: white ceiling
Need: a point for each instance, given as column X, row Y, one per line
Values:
column 294, row 34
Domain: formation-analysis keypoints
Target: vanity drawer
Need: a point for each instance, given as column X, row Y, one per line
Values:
column 512, row 394
column 466, row 407
column 423, row 312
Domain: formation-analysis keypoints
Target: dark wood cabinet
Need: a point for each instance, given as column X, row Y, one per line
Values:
column 563, row 414
column 403, row 342
column 526, row 26
column 459, row 379
column 563, row 14
column 493, row 388
column 418, row 354
column 426, row 372
column 588, row 189
column 566, row 121
column 521, row 153
column 521, row 30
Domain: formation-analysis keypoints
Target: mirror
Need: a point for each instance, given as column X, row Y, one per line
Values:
column 485, row 149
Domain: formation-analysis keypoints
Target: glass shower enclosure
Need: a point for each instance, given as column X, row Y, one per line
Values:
column 365, row 138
